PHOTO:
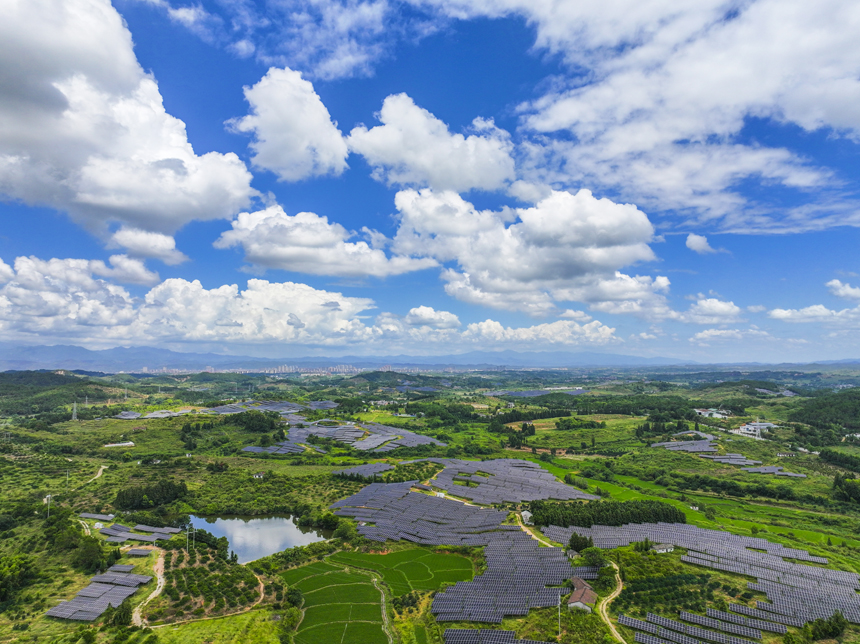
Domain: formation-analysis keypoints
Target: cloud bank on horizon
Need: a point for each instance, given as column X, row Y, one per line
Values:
column 432, row 176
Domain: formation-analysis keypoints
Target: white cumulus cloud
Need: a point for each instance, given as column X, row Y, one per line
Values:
column 74, row 299
column 83, row 128
column 699, row 244
column 709, row 336
column 711, row 310
column 568, row 247
column 561, row 332
column 414, row 148
column 309, row 243
column 294, row 135
column 143, row 243
column 428, row 316
column 843, row 290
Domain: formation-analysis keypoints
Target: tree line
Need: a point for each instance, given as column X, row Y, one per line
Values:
column 848, row 461
column 613, row 513
column 150, row 496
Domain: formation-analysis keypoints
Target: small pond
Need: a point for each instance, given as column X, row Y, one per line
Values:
column 255, row 537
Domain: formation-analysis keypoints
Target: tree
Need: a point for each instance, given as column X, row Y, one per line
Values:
column 594, row 557
column 579, row 543
column 295, row 597
column 289, row 620
column 122, row 615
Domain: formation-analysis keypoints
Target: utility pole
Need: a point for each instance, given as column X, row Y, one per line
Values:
column 75, row 410
column 192, row 531
column 559, row 615
column 49, row 506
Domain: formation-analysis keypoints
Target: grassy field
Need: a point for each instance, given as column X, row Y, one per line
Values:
column 339, row 606
column 255, row 627
column 619, row 433
column 408, row 570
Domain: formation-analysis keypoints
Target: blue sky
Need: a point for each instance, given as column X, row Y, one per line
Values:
column 429, row 177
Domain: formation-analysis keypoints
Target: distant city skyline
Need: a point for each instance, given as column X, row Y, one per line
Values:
column 432, row 178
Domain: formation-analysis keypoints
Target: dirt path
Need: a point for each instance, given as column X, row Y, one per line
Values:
column 525, row 529
column 238, row 612
column 385, row 625
column 85, row 527
column 603, row 608
column 98, row 474
column 137, row 615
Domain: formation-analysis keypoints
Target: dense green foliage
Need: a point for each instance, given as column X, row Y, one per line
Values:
column 668, row 593
column 577, row 423
column 846, row 489
column 31, row 392
column 578, row 542
column 15, row 572
column 255, row 421
column 848, row 461
column 150, row 496
column 592, row 513
column 204, row 581
column 841, row 409
column 63, row 534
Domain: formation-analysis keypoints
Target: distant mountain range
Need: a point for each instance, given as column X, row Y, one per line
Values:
column 135, row 359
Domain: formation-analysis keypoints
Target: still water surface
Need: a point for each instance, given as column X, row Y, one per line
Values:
column 254, row 537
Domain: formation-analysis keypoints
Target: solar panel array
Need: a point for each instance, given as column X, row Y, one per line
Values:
column 148, row 528
column 797, row 593
column 518, row 569
column 368, row 471
column 643, row 638
column 731, row 459
column 706, row 445
column 502, row 481
column 97, row 517
column 109, row 589
column 139, row 552
column 694, row 631
column 483, row 636
column 773, row 469
column 118, row 533
column 369, row 437
column 238, row 408
column 746, row 621
column 728, row 627
column 687, row 446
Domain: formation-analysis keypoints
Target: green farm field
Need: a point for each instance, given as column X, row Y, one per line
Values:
column 414, row 569
column 255, row 627
column 339, row 606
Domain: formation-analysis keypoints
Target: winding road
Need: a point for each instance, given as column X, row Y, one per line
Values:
column 603, row 607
